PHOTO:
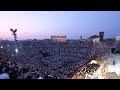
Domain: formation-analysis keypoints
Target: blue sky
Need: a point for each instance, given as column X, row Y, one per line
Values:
column 73, row 24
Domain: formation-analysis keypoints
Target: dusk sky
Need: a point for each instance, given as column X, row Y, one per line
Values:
column 73, row 24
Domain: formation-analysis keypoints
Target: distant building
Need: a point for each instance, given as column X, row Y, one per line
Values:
column 58, row 39
column 81, row 37
column 118, row 38
column 101, row 35
column 94, row 38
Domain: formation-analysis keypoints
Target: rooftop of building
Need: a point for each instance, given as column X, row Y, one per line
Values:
column 94, row 36
column 58, row 36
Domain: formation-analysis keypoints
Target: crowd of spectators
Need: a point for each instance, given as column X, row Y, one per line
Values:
column 32, row 62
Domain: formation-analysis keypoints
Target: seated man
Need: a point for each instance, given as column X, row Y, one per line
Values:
column 5, row 75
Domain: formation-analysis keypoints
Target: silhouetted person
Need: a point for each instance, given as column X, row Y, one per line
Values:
column 113, row 62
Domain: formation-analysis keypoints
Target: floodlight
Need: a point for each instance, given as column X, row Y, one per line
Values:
column 16, row 50
column 1, row 46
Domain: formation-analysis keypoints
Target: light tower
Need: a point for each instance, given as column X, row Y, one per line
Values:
column 15, row 38
column 14, row 33
column 1, row 43
column 1, row 53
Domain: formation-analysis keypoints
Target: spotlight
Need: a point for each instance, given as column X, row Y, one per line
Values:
column 16, row 50
column 1, row 46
